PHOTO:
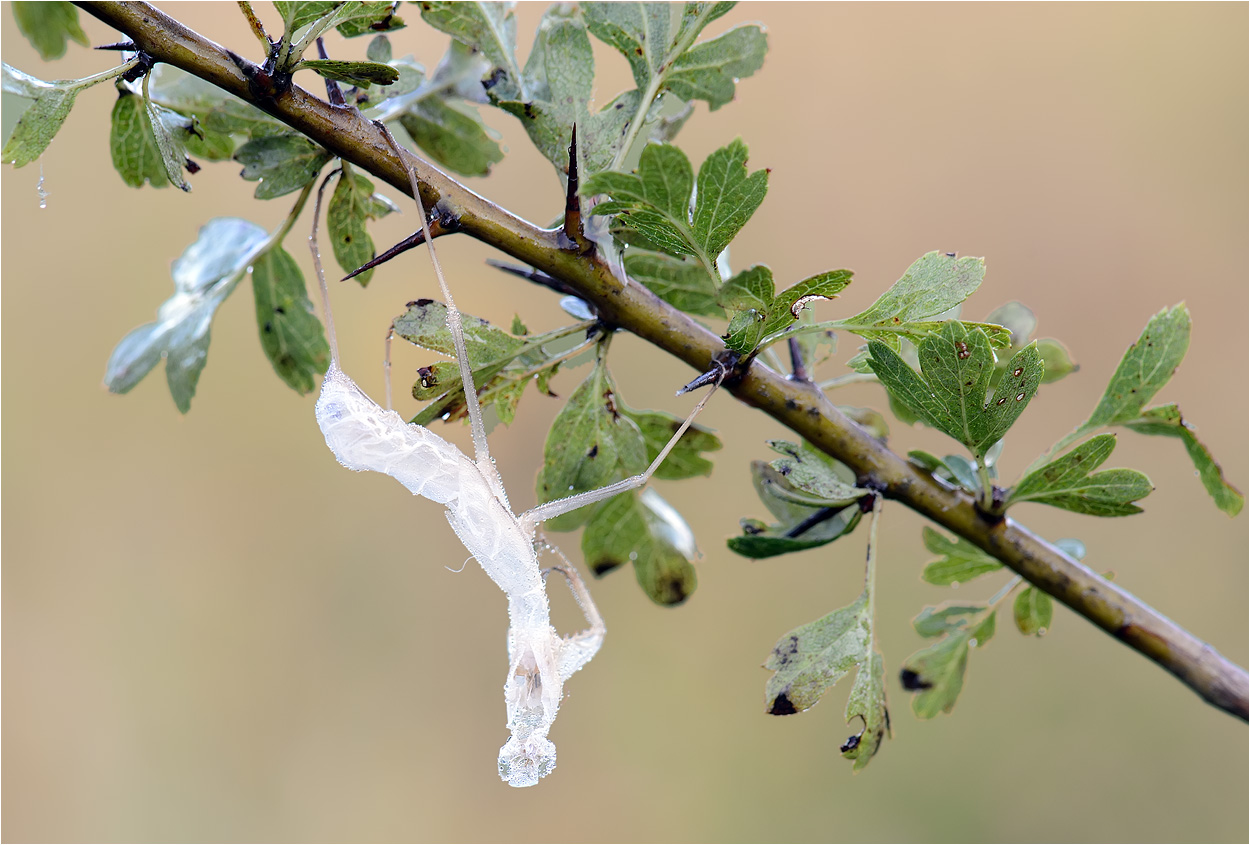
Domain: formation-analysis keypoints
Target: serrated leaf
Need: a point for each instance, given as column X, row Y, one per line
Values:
column 1145, row 368
column 590, row 444
column 709, row 71
column 136, row 158
column 686, row 459
column 680, row 282
column 352, row 73
column 655, row 201
column 868, row 702
column 290, row 333
column 813, row 657
column 40, row 122
column 934, row 284
column 960, row 561
column 936, row 673
column 1166, row 420
column 49, row 27
column 206, row 273
column 644, row 530
column 453, row 136
column 486, row 27
column 753, row 288
column 425, row 324
column 351, row 206
column 949, row 393
column 808, row 469
column 1033, row 611
column 787, row 306
column 1069, row 482
column 281, row 164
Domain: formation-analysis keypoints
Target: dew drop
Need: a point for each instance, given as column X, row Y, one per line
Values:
column 43, row 195
column 1041, row 631
column 972, row 643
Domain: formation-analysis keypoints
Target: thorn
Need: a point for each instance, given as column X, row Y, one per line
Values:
column 333, row 92
column 537, row 277
column 572, row 204
column 797, row 367
column 715, row 374
column 415, row 239
column 120, row 46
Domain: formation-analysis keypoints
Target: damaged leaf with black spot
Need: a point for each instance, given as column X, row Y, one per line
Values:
column 936, row 674
column 812, row 658
column 644, row 530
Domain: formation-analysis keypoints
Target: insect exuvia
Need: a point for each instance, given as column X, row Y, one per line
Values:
column 364, row 436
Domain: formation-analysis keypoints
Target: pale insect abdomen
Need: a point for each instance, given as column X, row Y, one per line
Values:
column 365, row 437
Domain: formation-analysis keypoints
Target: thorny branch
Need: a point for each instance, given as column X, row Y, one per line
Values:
column 797, row 404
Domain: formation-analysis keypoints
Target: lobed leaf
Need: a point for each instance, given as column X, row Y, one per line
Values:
column 936, row 673
column 1166, row 420
column 280, row 163
column 206, row 273
column 709, row 71
column 646, row 531
column 949, row 393
column 960, row 561
column 933, row 285
column 49, row 27
column 1145, row 368
column 351, row 206
column 805, row 521
column 489, row 28
column 352, row 73
column 867, row 701
column 290, row 333
column 813, row 657
column 1070, row 482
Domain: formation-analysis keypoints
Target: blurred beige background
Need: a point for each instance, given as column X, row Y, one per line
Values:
column 213, row 632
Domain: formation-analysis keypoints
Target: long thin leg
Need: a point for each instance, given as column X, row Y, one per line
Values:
column 481, row 450
column 577, row 649
column 534, row 517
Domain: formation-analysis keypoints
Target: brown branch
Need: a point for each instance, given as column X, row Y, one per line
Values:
column 796, row 404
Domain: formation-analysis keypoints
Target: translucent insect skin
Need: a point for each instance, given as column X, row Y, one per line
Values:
column 365, row 437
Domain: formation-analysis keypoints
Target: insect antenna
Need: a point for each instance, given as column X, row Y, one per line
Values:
column 321, row 276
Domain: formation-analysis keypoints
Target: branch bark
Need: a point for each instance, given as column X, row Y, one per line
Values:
column 797, row 404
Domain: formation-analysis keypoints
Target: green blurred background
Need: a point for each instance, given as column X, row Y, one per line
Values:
column 214, row 632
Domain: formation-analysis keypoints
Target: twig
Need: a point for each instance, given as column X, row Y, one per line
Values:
column 798, row 405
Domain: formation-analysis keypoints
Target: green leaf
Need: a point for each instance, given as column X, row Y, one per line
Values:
column 1057, row 360
column 206, row 273
column 299, row 14
column 655, row 201
column 644, row 530
column 379, row 49
column 590, row 444
column 867, row 701
column 808, row 469
column 1166, row 420
column 170, row 131
column 813, row 657
column 281, row 163
column 489, row 28
column 1144, row 369
column 352, row 73
column 959, row 563
column 136, row 156
column 752, row 289
column 40, row 122
column 352, row 204
column 680, row 282
column 425, row 324
column 686, row 459
column 805, row 521
column 366, row 18
column 290, row 333
column 661, row 56
column 1069, row 482
column 49, row 27
column 453, row 136
column 235, row 117
column 936, row 673
column 933, row 285
column 708, row 71
column 949, row 393
column 1033, row 611
column 784, row 311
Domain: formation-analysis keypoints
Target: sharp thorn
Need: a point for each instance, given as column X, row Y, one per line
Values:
column 416, row 239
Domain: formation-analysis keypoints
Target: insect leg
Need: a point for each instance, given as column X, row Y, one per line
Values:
column 535, row 516
column 577, row 649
